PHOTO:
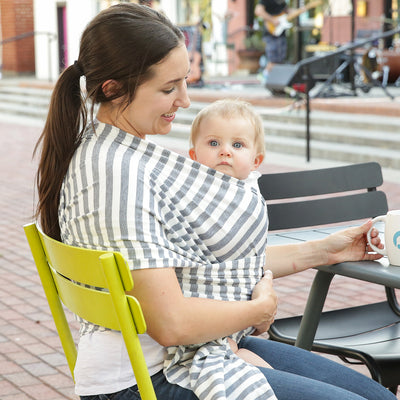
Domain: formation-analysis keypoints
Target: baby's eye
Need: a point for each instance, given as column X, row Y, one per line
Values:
column 237, row 145
column 213, row 143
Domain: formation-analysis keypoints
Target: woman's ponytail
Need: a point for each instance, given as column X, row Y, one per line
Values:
column 60, row 137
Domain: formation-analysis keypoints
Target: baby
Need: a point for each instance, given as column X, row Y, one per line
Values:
column 228, row 136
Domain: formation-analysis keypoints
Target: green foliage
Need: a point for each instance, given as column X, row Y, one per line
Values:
column 254, row 41
column 254, row 37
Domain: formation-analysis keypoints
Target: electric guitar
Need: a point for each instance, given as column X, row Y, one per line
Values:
column 284, row 19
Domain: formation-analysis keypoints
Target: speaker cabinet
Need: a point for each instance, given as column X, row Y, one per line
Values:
column 281, row 76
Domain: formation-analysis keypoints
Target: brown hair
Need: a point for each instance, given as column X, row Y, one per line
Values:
column 231, row 108
column 121, row 43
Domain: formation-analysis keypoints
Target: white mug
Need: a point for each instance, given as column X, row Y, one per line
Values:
column 392, row 236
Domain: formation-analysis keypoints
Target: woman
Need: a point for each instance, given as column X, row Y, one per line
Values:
column 103, row 185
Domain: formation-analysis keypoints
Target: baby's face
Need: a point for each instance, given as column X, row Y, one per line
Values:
column 228, row 146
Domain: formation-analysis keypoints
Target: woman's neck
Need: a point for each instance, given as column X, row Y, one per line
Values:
column 111, row 114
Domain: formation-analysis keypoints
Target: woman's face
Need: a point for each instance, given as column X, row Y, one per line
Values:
column 156, row 101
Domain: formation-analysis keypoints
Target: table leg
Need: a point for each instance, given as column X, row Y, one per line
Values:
column 313, row 309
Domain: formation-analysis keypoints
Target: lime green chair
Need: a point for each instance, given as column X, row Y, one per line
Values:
column 60, row 266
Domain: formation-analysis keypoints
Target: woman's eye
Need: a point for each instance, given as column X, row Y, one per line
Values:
column 237, row 145
column 168, row 91
column 213, row 143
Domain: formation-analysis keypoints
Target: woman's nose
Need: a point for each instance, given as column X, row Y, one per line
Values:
column 183, row 100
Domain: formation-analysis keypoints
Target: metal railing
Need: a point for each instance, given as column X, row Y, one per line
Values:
column 50, row 37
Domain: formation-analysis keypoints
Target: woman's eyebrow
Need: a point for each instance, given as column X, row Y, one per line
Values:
column 174, row 81
column 177, row 79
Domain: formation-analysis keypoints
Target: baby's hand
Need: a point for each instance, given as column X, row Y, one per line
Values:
column 233, row 345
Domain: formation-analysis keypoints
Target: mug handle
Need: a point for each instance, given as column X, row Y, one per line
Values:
column 374, row 221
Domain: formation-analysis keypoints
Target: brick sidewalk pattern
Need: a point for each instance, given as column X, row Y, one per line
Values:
column 32, row 363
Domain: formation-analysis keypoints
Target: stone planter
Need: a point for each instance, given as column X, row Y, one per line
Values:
column 249, row 59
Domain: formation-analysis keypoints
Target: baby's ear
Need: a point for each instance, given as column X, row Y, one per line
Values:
column 258, row 160
column 192, row 154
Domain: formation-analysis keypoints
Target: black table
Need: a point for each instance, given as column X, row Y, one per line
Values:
column 379, row 272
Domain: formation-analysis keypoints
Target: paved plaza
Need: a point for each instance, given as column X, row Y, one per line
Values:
column 32, row 363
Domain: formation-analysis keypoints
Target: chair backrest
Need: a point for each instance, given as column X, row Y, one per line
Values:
column 69, row 274
column 323, row 196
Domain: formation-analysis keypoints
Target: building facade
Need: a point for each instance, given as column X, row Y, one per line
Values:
column 41, row 37
column 17, row 26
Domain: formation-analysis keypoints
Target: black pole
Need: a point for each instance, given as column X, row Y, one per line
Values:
column 297, row 36
column 308, row 133
column 351, row 66
column 388, row 23
column 250, row 12
column 353, row 19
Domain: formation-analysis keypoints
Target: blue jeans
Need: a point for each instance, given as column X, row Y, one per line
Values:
column 302, row 375
column 163, row 389
column 298, row 374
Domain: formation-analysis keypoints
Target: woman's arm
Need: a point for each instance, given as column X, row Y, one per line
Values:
column 174, row 319
column 346, row 245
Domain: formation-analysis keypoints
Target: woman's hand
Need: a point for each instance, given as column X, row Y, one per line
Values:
column 351, row 244
column 265, row 294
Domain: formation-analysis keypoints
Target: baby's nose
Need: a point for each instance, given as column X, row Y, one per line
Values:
column 225, row 151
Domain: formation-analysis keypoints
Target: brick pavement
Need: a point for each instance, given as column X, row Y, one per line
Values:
column 32, row 364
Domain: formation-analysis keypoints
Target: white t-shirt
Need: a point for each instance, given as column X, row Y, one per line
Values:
column 112, row 364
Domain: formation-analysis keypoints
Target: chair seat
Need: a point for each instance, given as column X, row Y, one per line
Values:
column 369, row 333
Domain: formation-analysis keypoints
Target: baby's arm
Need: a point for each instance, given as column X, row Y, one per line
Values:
column 247, row 355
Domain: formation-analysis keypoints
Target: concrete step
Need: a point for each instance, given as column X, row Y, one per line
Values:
column 344, row 120
column 32, row 102
column 20, row 105
column 25, row 90
column 335, row 136
column 333, row 151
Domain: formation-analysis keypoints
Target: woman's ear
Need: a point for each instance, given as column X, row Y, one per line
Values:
column 192, row 154
column 110, row 88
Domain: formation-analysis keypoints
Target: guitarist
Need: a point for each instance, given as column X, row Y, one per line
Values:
column 276, row 46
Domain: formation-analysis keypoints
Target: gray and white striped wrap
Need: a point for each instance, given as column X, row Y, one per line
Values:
column 162, row 210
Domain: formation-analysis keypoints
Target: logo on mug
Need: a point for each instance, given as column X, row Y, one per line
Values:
column 396, row 239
